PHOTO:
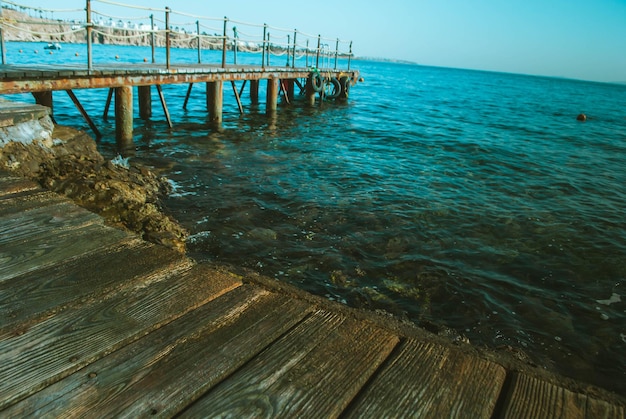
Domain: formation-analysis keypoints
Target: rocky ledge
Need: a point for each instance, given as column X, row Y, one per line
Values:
column 67, row 161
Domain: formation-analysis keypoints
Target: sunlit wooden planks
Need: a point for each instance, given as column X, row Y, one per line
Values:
column 532, row 398
column 12, row 185
column 168, row 369
column 71, row 339
column 48, row 289
column 426, row 380
column 26, row 245
column 313, row 371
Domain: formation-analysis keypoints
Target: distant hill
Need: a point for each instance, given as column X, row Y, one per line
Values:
column 386, row 60
column 22, row 27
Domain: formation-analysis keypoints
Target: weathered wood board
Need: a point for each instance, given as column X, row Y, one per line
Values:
column 430, row 381
column 313, row 371
column 71, row 339
column 162, row 373
column 12, row 185
column 36, row 293
column 531, row 398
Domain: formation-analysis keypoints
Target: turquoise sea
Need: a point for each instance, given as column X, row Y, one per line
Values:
column 466, row 201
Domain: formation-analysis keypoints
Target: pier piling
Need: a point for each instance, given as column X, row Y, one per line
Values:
column 124, row 117
column 254, row 92
column 145, row 102
column 272, row 95
column 214, row 101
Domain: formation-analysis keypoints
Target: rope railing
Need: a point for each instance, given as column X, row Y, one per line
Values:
column 159, row 30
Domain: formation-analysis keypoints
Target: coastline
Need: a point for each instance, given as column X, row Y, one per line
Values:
column 24, row 28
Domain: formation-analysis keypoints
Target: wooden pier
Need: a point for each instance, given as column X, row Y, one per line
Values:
column 310, row 63
column 97, row 323
column 42, row 80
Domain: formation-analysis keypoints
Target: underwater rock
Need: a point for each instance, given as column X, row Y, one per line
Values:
column 264, row 234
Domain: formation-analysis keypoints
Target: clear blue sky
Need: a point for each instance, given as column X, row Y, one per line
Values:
column 563, row 38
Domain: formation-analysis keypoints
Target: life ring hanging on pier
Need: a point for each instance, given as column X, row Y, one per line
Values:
column 317, row 82
column 335, row 90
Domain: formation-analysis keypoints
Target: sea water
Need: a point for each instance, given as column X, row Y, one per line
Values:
column 460, row 200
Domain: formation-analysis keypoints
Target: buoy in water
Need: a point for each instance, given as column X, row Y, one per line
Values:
column 36, row 52
column 117, row 57
column 361, row 79
column 145, row 60
column 76, row 54
column 581, row 117
column 20, row 51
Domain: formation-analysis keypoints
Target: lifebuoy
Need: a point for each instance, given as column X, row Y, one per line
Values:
column 317, row 83
column 335, row 90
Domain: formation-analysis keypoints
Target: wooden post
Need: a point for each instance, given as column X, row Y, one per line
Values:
column 167, row 37
column 89, row 28
column 187, row 96
column 236, row 93
column 164, row 105
column 272, row 96
column 152, row 38
column 350, row 56
column 290, row 90
column 263, row 49
column 145, row 102
column 224, row 46
column 199, row 42
column 84, row 113
column 317, row 57
column 269, row 49
column 105, row 114
column 2, row 46
column 214, row 101
column 44, row 99
column 310, row 93
column 254, row 92
column 124, row 117
column 293, row 61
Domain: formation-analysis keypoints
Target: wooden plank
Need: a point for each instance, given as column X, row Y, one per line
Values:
column 71, row 339
column 11, row 185
column 171, row 367
column 43, row 291
column 532, row 398
column 428, row 380
column 27, row 200
column 30, row 252
column 313, row 371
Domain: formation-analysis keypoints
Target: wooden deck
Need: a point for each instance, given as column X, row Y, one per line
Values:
column 97, row 323
column 16, row 78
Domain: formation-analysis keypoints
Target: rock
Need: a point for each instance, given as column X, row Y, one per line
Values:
column 263, row 234
column 67, row 161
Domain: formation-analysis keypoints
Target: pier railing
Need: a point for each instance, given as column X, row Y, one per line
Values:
column 103, row 21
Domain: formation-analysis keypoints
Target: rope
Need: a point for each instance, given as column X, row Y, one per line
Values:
column 196, row 16
column 120, row 17
column 40, row 9
column 113, row 35
column 238, row 22
column 248, row 35
column 130, row 6
column 210, row 28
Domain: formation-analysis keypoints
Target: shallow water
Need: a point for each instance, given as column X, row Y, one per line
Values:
column 469, row 199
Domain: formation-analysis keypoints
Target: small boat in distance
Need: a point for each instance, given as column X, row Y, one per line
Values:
column 56, row 45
